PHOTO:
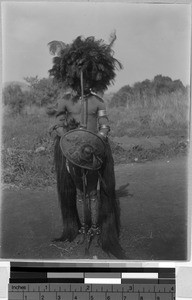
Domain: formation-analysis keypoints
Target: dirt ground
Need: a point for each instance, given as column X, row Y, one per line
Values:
column 147, row 148
column 153, row 200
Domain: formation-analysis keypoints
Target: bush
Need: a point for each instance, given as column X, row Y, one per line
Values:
column 13, row 96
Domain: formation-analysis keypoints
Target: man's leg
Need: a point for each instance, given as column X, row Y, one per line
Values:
column 76, row 174
column 81, row 211
column 92, row 181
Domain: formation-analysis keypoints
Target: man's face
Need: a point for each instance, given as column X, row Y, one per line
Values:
column 87, row 88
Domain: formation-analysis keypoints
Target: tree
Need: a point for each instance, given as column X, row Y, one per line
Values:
column 165, row 85
column 146, row 91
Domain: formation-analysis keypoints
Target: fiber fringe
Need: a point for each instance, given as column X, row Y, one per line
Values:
column 109, row 210
column 67, row 196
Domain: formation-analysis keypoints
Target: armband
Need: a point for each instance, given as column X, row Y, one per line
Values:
column 103, row 134
column 104, row 130
column 102, row 113
column 104, row 126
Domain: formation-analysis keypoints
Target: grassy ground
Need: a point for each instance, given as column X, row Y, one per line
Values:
column 22, row 164
column 23, row 134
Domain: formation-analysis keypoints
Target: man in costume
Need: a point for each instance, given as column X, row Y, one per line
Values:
column 84, row 211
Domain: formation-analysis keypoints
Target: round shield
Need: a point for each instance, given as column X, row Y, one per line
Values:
column 83, row 148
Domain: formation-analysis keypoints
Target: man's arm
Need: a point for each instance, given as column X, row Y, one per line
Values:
column 103, row 121
column 59, row 128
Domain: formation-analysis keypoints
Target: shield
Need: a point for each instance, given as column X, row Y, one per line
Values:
column 83, row 148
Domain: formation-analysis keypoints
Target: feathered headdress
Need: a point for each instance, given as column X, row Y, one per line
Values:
column 92, row 57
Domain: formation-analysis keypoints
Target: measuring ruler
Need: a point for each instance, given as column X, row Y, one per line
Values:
column 92, row 284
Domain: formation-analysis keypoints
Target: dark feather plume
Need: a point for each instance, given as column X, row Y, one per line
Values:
column 93, row 57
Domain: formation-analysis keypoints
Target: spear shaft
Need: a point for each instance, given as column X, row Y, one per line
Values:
column 83, row 105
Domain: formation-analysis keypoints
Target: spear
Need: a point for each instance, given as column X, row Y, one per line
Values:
column 83, row 105
column 84, row 126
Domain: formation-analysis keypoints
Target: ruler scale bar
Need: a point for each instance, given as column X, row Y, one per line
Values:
column 95, row 296
column 82, row 283
column 90, row 292
column 158, row 288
